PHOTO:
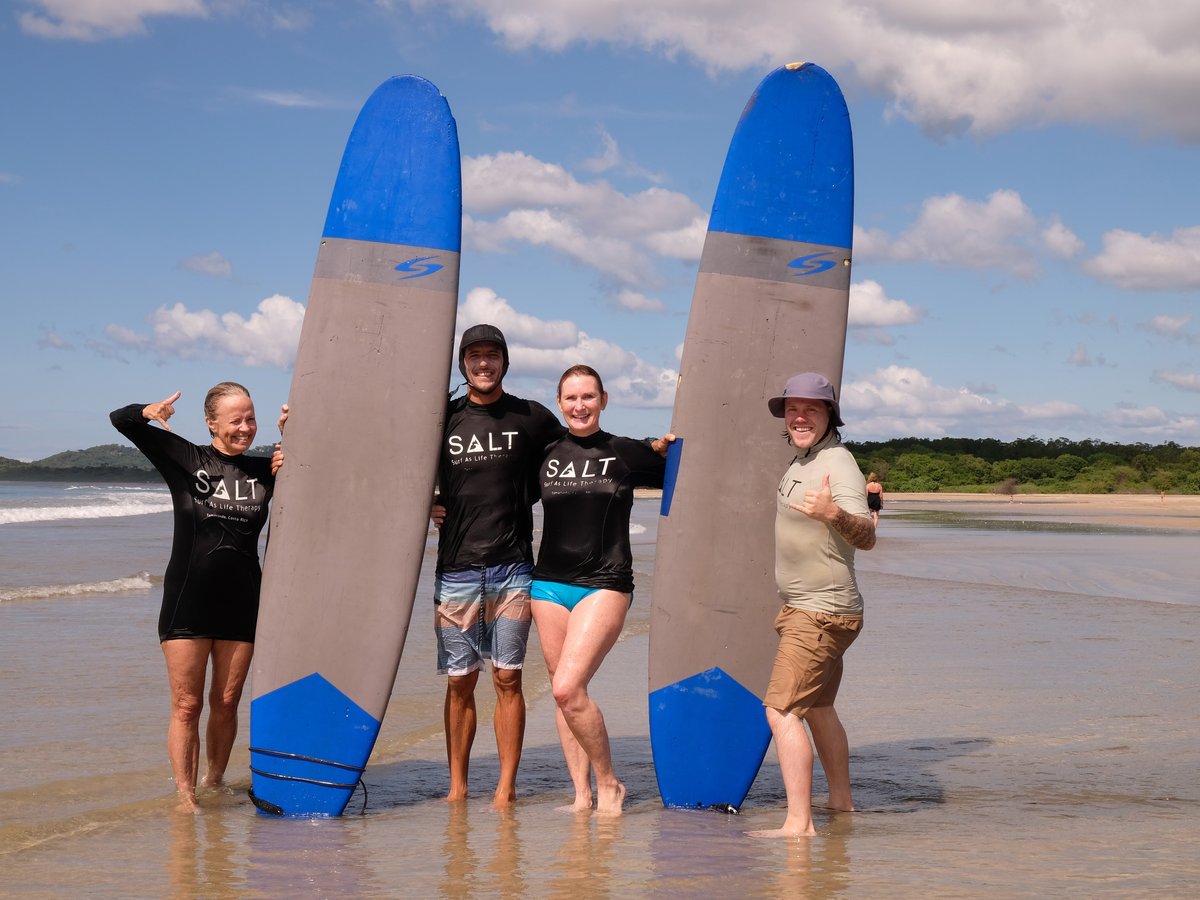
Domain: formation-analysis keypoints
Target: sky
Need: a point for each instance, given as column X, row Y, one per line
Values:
column 1027, row 210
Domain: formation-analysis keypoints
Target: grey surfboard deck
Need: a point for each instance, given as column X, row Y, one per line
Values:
column 350, row 515
column 771, row 300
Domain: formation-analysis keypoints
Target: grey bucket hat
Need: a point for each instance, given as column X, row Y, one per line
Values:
column 808, row 386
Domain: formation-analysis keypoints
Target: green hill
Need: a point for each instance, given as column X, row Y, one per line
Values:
column 116, row 463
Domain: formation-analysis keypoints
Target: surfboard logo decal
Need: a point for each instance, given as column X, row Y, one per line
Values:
column 812, row 264
column 420, row 268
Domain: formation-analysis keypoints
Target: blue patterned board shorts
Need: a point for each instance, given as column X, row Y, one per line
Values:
column 482, row 613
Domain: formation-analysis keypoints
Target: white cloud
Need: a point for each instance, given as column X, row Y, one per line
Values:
column 1185, row 381
column 612, row 159
column 870, row 307
column 899, row 401
column 52, row 340
column 1173, row 327
column 213, row 264
column 512, row 198
column 954, row 231
column 1149, row 263
column 93, row 20
column 267, row 338
column 951, row 67
column 540, row 351
column 293, row 99
column 1061, row 241
column 635, row 302
column 1170, row 326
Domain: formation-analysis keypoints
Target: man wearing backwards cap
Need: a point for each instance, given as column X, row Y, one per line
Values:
column 491, row 446
column 821, row 519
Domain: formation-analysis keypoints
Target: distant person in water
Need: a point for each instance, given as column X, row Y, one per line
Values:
column 874, row 497
column 210, row 590
column 583, row 580
column 821, row 519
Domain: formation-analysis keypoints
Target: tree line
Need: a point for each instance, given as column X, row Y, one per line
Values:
column 971, row 465
column 1029, row 465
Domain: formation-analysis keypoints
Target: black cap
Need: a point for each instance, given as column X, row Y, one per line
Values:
column 478, row 334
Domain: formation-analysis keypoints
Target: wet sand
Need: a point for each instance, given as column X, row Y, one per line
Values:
column 1021, row 709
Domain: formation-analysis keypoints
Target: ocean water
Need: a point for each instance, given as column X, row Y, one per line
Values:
column 1021, row 708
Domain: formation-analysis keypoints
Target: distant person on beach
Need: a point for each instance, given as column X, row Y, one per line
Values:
column 491, row 445
column 821, row 519
column 210, row 590
column 583, row 581
column 874, row 497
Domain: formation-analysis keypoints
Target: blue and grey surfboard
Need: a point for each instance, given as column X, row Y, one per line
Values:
column 771, row 300
column 351, row 508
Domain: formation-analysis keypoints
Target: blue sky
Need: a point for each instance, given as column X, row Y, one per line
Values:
column 1027, row 241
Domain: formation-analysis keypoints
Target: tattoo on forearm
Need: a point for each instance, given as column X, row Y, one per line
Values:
column 858, row 532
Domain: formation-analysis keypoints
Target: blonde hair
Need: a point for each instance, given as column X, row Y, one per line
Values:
column 215, row 393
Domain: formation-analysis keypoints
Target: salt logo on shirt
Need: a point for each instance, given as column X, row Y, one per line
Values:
column 555, row 469
column 495, row 443
column 220, row 490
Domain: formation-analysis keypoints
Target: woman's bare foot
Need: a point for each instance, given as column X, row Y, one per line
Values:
column 583, row 803
column 789, row 829
column 188, row 804
column 610, row 799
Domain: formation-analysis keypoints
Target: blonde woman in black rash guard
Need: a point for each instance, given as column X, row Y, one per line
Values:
column 210, row 590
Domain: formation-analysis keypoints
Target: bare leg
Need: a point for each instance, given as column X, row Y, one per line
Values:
column 795, row 765
column 509, row 723
column 459, row 719
column 230, row 666
column 593, row 626
column 834, row 750
column 551, row 619
column 187, row 663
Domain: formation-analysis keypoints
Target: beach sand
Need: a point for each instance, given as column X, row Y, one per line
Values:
column 1021, row 710
column 1173, row 511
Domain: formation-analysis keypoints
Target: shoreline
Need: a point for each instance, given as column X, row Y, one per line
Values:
column 1176, row 512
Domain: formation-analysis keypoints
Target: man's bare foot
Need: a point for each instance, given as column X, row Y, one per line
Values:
column 610, row 799
column 455, row 796
column 504, row 797
column 850, row 808
column 211, row 781
column 188, row 804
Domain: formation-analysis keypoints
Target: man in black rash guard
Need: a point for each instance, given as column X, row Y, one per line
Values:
column 210, row 592
column 491, row 446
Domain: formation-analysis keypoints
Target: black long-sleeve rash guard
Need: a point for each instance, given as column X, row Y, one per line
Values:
column 587, row 495
column 213, row 577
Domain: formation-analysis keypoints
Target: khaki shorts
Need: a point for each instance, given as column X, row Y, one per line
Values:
column 808, row 664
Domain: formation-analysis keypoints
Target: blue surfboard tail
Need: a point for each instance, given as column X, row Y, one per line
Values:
column 795, row 130
column 309, row 744
column 391, row 188
column 710, row 736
